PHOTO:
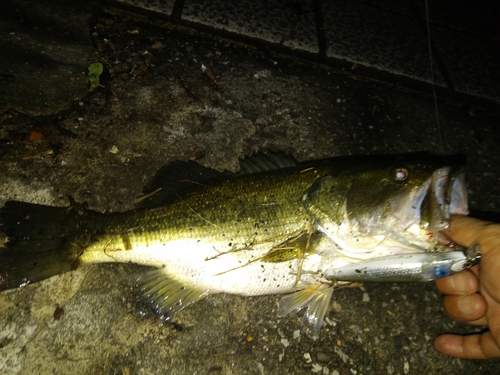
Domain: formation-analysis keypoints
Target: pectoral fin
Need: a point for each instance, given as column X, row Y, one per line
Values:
column 316, row 298
column 167, row 296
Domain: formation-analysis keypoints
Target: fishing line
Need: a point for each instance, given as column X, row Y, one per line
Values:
column 432, row 77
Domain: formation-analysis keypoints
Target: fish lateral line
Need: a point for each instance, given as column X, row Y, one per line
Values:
column 252, row 244
column 277, row 249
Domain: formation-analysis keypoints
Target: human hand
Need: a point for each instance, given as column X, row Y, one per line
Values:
column 473, row 296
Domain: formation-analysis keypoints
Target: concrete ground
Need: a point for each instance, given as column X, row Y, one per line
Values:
column 312, row 79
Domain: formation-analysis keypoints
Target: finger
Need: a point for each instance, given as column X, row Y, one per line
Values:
column 466, row 230
column 490, row 271
column 477, row 346
column 470, row 308
column 493, row 316
column 461, row 283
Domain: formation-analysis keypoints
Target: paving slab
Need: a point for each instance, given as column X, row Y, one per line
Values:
column 290, row 24
column 160, row 6
column 471, row 62
column 467, row 43
column 389, row 41
column 406, row 8
column 463, row 15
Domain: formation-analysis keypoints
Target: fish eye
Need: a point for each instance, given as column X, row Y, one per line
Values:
column 400, row 173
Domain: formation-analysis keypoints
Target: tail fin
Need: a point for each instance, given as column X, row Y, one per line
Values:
column 39, row 242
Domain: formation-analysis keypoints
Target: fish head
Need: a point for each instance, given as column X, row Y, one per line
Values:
column 405, row 196
column 385, row 208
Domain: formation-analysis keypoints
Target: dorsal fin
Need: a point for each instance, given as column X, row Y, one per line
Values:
column 169, row 180
column 182, row 176
column 266, row 163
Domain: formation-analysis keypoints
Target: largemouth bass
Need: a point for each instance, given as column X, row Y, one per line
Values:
column 275, row 227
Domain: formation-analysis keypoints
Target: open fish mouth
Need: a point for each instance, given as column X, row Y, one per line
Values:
column 431, row 204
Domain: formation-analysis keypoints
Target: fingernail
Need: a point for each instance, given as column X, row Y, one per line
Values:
column 452, row 282
column 463, row 283
column 466, row 305
column 456, row 282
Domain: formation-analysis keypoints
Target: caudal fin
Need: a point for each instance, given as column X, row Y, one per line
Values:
column 39, row 243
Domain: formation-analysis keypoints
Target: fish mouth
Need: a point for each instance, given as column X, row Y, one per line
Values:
column 447, row 195
column 431, row 204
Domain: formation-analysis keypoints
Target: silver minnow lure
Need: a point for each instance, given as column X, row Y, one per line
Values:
column 419, row 267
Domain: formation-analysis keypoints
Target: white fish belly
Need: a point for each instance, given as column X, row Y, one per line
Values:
column 199, row 264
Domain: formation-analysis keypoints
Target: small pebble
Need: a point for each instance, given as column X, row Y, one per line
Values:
column 307, row 357
column 197, row 153
column 316, row 367
column 323, row 357
column 157, row 45
column 406, row 366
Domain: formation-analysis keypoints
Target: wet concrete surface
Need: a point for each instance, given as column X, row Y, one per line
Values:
column 101, row 147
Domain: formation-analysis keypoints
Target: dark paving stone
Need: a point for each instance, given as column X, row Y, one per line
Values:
column 160, row 6
column 290, row 24
column 471, row 62
column 403, row 7
column 467, row 41
column 377, row 38
column 481, row 19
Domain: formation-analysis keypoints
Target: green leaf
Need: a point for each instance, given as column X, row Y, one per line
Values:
column 95, row 70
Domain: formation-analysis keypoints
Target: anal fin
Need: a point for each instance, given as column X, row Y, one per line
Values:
column 166, row 295
column 316, row 298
